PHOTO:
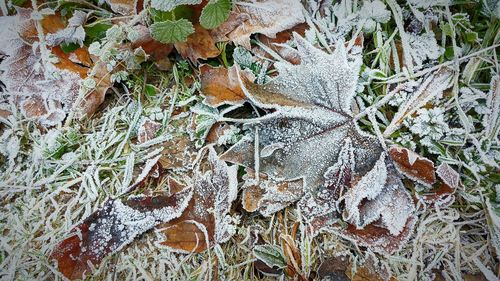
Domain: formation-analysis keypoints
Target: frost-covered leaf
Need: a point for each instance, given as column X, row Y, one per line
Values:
column 491, row 121
column 206, row 221
column 412, row 165
column 269, row 196
column 266, row 17
column 278, row 43
column 168, row 5
column 431, row 87
column 215, row 13
column 220, row 85
column 271, row 255
column 125, row 7
column 147, row 130
column 117, row 223
column 72, row 33
column 311, row 135
column 47, row 79
column 172, row 31
column 156, row 50
column 493, row 209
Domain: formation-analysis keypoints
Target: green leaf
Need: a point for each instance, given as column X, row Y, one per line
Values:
column 270, row 254
column 150, row 90
column 215, row 13
column 68, row 48
column 95, row 32
column 180, row 12
column 172, row 31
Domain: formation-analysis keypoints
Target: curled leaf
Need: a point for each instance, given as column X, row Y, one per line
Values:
column 413, row 165
column 266, row 17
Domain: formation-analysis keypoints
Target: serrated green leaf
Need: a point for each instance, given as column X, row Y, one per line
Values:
column 172, row 31
column 215, row 13
column 270, row 254
column 167, row 5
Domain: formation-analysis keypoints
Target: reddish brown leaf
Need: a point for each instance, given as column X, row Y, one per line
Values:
column 443, row 196
column 334, row 268
column 412, row 165
column 205, row 221
column 379, row 238
column 220, row 85
column 112, row 227
column 157, row 51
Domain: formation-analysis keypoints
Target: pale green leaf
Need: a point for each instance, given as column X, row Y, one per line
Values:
column 172, row 31
column 167, row 5
column 215, row 13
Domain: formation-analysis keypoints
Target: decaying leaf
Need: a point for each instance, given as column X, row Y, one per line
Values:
column 311, row 135
column 114, row 226
column 413, row 165
column 266, row 17
column 220, row 85
column 431, row 87
column 269, row 196
column 45, row 80
column 205, row 221
column 334, row 268
column 275, row 44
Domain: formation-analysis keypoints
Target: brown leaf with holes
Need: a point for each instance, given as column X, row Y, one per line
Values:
column 220, row 85
column 412, row 165
column 205, row 221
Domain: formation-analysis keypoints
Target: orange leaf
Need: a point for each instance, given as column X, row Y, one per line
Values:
column 199, row 45
column 220, row 85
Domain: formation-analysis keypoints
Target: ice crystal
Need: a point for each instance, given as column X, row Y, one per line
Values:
column 424, row 47
column 430, row 125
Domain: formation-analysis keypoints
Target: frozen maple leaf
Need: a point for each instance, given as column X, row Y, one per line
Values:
column 311, row 135
column 206, row 220
column 112, row 227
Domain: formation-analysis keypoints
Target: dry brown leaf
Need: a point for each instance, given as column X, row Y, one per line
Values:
column 147, row 130
column 158, row 52
column 199, row 45
column 266, row 18
column 205, row 221
column 126, row 7
column 443, row 196
column 220, row 85
column 334, row 268
column 412, row 165
column 370, row 270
